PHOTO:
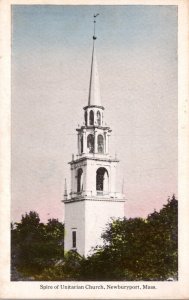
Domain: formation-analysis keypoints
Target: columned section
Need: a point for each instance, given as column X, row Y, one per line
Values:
column 98, row 177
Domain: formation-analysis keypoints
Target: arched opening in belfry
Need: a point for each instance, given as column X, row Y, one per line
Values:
column 102, row 180
column 91, row 118
column 90, row 143
column 85, row 118
column 79, row 180
column 82, row 144
column 100, row 142
column 98, row 115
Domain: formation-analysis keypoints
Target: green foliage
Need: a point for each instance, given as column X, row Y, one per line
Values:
column 35, row 245
column 133, row 249
column 137, row 249
column 66, row 270
column 163, row 241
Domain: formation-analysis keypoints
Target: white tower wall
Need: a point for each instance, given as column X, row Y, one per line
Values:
column 97, row 215
column 89, row 219
column 75, row 220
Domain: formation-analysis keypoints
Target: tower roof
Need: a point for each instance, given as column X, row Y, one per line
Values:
column 94, row 86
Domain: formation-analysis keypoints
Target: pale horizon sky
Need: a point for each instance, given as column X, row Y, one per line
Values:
column 137, row 61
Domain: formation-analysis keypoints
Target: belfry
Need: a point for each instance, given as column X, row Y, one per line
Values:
column 93, row 200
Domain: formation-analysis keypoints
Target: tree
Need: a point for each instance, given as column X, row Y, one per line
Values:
column 163, row 227
column 69, row 269
column 119, row 257
column 133, row 249
column 137, row 249
column 35, row 245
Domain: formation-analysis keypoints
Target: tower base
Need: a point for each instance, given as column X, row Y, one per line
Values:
column 86, row 220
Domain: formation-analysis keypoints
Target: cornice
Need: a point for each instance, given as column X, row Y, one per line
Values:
column 93, row 199
column 93, row 158
column 92, row 106
column 94, row 127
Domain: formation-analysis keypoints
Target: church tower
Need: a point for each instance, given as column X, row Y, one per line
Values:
column 93, row 199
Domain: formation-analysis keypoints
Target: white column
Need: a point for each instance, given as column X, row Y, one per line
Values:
column 95, row 118
column 88, row 110
column 86, row 185
column 78, row 144
column 105, row 141
column 106, row 183
column 72, row 179
column 84, row 141
column 95, row 142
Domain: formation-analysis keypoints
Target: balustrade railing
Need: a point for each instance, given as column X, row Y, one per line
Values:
column 94, row 194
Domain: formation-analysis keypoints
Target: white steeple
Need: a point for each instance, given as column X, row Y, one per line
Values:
column 93, row 200
column 94, row 86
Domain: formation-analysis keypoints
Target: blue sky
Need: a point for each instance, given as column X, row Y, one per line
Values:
column 137, row 60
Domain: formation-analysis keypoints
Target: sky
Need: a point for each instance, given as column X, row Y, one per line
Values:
column 137, row 62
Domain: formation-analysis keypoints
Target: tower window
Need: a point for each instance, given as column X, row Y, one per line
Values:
column 91, row 118
column 90, row 143
column 82, row 144
column 102, row 180
column 74, row 239
column 98, row 118
column 86, row 118
column 79, row 180
column 100, row 144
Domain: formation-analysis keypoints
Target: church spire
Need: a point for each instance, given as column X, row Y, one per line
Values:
column 93, row 200
column 94, row 86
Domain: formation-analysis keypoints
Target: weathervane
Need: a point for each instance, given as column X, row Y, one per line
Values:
column 94, row 37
